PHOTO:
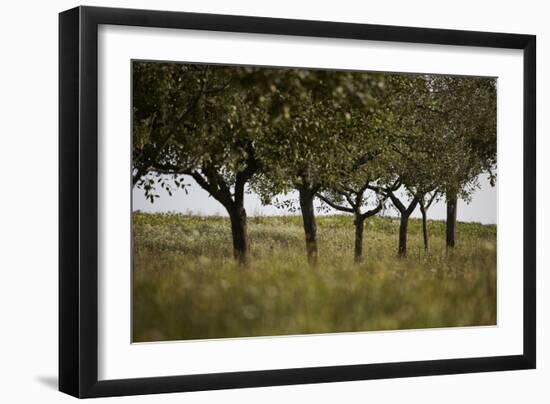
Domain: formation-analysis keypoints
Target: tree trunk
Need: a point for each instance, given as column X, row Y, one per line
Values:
column 310, row 228
column 424, row 227
column 451, row 218
column 239, row 234
column 359, row 226
column 402, row 249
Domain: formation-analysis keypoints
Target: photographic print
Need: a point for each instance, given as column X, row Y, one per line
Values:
column 249, row 201
column 270, row 201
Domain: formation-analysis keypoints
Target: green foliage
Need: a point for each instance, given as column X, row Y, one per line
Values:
column 447, row 132
column 186, row 285
column 194, row 120
column 164, row 99
column 429, row 131
column 318, row 126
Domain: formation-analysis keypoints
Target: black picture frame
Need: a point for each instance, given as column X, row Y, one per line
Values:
column 78, row 201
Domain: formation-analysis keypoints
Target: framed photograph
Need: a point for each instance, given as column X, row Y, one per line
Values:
column 251, row 201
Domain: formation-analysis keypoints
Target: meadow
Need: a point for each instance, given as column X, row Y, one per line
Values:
column 186, row 284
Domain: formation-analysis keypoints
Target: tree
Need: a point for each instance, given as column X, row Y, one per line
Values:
column 164, row 98
column 302, row 143
column 352, row 200
column 405, row 210
column 465, row 108
column 357, row 167
column 425, row 201
column 312, row 115
column 213, row 142
column 299, row 139
column 419, row 170
column 409, row 160
column 441, row 130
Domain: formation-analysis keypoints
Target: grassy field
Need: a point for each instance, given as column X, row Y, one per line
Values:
column 186, row 285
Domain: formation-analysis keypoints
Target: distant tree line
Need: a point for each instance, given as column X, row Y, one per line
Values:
column 355, row 140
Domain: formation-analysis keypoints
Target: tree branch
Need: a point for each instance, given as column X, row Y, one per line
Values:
column 374, row 211
column 436, row 192
column 396, row 202
column 412, row 206
column 223, row 197
column 334, row 205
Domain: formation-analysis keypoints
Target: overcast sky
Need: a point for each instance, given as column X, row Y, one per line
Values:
column 482, row 208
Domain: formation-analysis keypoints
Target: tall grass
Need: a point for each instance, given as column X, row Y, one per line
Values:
column 187, row 286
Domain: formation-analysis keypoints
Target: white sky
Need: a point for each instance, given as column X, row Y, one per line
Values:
column 482, row 208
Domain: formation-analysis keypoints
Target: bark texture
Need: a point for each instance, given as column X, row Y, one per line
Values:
column 240, row 235
column 403, row 225
column 310, row 227
column 424, row 226
column 405, row 212
column 452, row 201
column 359, row 227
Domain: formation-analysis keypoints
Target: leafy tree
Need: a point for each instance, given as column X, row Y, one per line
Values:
column 298, row 145
column 165, row 97
column 465, row 111
column 356, row 170
column 409, row 158
column 313, row 120
column 214, row 143
column 441, row 133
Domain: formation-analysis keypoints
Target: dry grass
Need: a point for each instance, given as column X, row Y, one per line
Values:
column 186, row 285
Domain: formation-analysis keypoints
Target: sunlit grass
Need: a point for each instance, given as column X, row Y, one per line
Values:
column 186, row 285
